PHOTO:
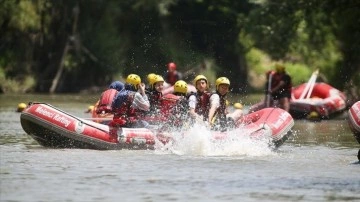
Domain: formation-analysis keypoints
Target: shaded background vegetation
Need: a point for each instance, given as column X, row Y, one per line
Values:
column 60, row 46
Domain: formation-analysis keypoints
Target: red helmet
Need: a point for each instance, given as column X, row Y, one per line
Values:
column 171, row 66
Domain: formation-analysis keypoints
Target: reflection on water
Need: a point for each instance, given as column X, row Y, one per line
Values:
column 316, row 164
column 326, row 132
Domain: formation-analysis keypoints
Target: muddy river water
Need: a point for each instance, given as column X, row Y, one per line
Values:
column 317, row 163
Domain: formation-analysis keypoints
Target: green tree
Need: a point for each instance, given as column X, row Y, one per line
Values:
column 321, row 34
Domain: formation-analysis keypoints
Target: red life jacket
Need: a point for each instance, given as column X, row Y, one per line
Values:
column 125, row 114
column 105, row 101
column 203, row 104
column 178, row 112
column 172, row 77
column 168, row 101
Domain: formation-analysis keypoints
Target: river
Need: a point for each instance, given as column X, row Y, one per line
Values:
column 317, row 163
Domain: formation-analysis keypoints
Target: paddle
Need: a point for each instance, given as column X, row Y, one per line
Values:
column 99, row 119
column 312, row 84
column 268, row 94
column 309, row 86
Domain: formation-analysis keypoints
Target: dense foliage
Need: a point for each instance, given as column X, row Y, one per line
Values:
column 71, row 45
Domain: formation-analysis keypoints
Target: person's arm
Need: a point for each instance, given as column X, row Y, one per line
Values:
column 214, row 105
column 141, row 100
column 192, row 105
column 277, row 87
column 280, row 85
column 179, row 75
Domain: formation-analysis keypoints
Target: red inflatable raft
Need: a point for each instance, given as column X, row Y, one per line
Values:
column 54, row 128
column 354, row 120
column 323, row 100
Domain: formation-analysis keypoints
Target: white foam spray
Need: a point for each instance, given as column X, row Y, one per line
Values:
column 199, row 141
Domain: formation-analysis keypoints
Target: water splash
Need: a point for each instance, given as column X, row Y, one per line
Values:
column 201, row 141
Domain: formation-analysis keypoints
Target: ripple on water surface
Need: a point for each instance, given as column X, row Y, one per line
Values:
column 314, row 164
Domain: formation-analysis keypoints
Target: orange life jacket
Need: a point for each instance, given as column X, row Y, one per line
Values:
column 105, row 101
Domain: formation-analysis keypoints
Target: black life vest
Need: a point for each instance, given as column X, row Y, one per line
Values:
column 220, row 120
column 276, row 78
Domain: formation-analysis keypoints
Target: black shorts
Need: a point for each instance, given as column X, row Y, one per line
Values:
column 278, row 96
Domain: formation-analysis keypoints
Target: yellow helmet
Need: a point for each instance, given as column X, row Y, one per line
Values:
column 279, row 68
column 154, row 79
column 134, row 80
column 180, row 87
column 21, row 107
column 200, row 77
column 221, row 80
column 149, row 77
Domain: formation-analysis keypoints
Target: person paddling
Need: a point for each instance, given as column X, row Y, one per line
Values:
column 199, row 102
column 154, row 93
column 178, row 107
column 103, row 106
column 219, row 118
column 149, row 78
column 155, row 96
column 129, row 102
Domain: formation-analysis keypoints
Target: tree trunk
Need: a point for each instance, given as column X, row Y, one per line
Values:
column 60, row 70
column 73, row 38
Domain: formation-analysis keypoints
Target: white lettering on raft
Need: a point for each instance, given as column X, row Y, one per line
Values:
column 44, row 112
column 62, row 120
column 283, row 116
column 56, row 117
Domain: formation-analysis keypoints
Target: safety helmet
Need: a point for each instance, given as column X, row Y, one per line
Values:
column 117, row 85
column 199, row 77
column 280, row 68
column 21, row 107
column 221, row 80
column 149, row 77
column 180, row 87
column 134, row 80
column 171, row 66
column 154, row 79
